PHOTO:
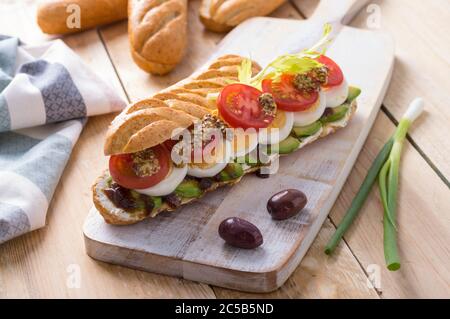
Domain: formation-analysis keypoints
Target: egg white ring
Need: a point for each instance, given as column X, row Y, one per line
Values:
column 168, row 184
column 253, row 145
column 336, row 95
column 276, row 137
column 196, row 171
column 313, row 114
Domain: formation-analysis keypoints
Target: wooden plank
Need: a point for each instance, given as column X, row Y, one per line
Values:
column 424, row 207
column 424, row 234
column 319, row 276
column 38, row 264
column 422, row 45
column 423, row 219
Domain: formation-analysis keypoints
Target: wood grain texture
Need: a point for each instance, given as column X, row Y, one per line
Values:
column 38, row 265
column 35, row 265
column 423, row 219
column 424, row 206
column 319, row 276
column 422, row 45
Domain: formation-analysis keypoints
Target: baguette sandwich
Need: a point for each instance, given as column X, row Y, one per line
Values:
column 292, row 102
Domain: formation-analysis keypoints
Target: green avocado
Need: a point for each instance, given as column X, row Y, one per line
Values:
column 248, row 159
column 157, row 201
column 308, row 130
column 336, row 114
column 288, row 145
column 353, row 93
column 189, row 189
column 230, row 172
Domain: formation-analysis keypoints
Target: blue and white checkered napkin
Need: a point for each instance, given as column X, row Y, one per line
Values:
column 46, row 92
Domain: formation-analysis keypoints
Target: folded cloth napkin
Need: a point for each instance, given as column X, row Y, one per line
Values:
column 46, row 92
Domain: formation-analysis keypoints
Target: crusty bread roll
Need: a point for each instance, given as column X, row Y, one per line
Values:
column 223, row 15
column 157, row 30
column 55, row 16
column 150, row 122
column 188, row 97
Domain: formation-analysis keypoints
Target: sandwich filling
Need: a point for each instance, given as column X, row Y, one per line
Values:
column 293, row 101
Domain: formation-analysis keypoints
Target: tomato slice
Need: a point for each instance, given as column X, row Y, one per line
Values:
column 122, row 168
column 287, row 96
column 335, row 75
column 239, row 106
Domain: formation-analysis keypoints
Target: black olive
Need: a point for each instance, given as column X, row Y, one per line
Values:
column 120, row 196
column 240, row 233
column 172, row 200
column 149, row 204
column 205, row 183
column 286, row 204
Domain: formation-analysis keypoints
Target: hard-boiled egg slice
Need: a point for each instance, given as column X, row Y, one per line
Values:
column 278, row 130
column 168, row 184
column 336, row 95
column 313, row 113
column 219, row 159
column 244, row 141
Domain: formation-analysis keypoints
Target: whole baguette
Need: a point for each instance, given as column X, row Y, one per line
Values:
column 223, row 15
column 53, row 15
column 189, row 97
column 157, row 31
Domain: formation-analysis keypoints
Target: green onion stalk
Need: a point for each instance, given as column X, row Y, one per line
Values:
column 385, row 167
column 388, row 184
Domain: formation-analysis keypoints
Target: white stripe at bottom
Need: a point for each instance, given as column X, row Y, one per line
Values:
column 19, row 191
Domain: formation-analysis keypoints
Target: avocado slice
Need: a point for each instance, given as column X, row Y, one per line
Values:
column 157, row 201
column 353, row 93
column 336, row 114
column 308, row 130
column 288, row 145
column 247, row 159
column 230, row 172
column 188, row 188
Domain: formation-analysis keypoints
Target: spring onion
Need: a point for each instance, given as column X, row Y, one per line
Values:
column 388, row 183
column 360, row 197
column 386, row 167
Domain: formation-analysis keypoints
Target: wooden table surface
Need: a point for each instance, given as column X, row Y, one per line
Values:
column 42, row 264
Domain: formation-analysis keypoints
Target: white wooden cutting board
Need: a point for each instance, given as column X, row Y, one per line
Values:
column 186, row 244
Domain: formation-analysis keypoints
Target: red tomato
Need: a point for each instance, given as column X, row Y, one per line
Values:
column 169, row 144
column 335, row 75
column 239, row 106
column 287, row 96
column 121, row 170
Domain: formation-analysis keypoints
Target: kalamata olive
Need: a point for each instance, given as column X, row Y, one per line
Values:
column 120, row 196
column 286, row 204
column 172, row 200
column 205, row 183
column 240, row 233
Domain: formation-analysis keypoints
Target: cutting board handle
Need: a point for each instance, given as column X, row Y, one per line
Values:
column 338, row 11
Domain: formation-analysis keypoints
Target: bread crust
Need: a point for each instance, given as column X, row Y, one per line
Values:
column 222, row 16
column 151, row 121
column 52, row 15
column 157, row 32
